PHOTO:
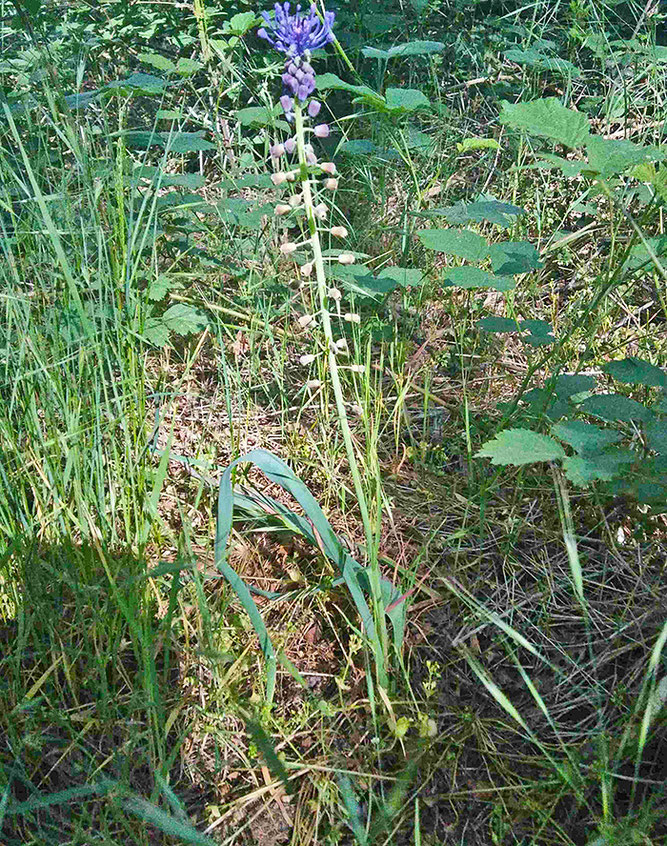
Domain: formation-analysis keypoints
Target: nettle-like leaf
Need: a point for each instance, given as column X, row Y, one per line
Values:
column 511, row 257
column 157, row 61
column 521, row 446
column 534, row 59
column 571, row 384
column 406, row 277
column 615, row 407
column 548, row 118
column 611, row 156
column 497, row 324
column 642, row 255
column 585, row 438
column 329, row 81
column 406, row 100
column 457, row 242
column 540, row 333
column 493, row 211
column 160, row 287
column 184, row 319
column 603, row 467
column 475, row 277
column 634, row 371
column 416, row 48
column 567, row 168
column 656, row 435
column 156, row 332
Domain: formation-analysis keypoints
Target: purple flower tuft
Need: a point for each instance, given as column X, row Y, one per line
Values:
column 297, row 34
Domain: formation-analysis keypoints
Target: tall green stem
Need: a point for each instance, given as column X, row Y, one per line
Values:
column 318, row 261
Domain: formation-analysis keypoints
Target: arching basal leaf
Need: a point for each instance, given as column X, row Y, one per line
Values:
column 521, row 446
column 585, row 437
column 615, row 407
column 474, row 277
column 634, row 371
column 547, row 118
column 457, row 242
column 416, row 48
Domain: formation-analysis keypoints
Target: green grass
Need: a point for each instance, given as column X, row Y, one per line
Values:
column 149, row 336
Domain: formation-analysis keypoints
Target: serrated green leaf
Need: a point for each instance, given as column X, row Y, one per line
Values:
column 157, row 61
column 475, row 277
column 547, row 118
column 457, row 242
column 416, row 48
column 656, row 436
column 521, row 446
column 568, row 168
column 376, row 53
column 404, row 276
column 240, row 23
column 184, row 319
column 159, row 288
column 186, row 142
column 256, row 116
column 634, row 371
column 569, row 384
column 156, row 332
column 611, row 156
column 497, row 324
column 492, row 211
column 536, row 327
column 585, row 437
column 640, row 258
column 329, row 81
column 534, row 59
column 187, row 67
column 538, row 340
column 615, row 407
column 603, row 467
column 406, row 100
column 512, row 257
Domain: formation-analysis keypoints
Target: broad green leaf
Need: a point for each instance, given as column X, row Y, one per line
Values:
column 186, row 142
column 492, row 211
column 477, row 144
column 184, row 319
column 140, row 83
column 640, row 257
column 240, row 23
column 156, row 332
column 360, row 280
column 656, row 436
column 569, row 384
column 406, row 99
column 536, row 327
column 329, row 81
column 157, row 61
column 567, row 167
column 416, row 48
column 634, row 371
column 159, row 288
column 547, row 118
column 376, row 53
column 534, row 59
column 256, row 116
column 475, row 277
column 615, row 407
column 521, row 446
column 404, row 276
column 582, row 471
column 457, row 242
column 511, row 257
column 610, row 156
column 585, row 437
column 497, row 324
column 186, row 67
column 541, row 340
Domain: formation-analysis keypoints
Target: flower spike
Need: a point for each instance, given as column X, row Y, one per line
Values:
column 298, row 34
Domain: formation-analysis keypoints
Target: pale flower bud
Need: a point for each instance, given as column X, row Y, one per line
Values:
column 321, row 130
column 331, row 184
column 305, row 360
column 335, row 294
column 314, row 108
column 355, row 408
column 305, row 320
column 339, row 231
column 434, row 190
column 340, row 345
column 307, row 268
column 311, row 158
column 346, row 258
column 278, row 178
column 291, row 175
column 328, row 167
column 288, row 248
column 357, row 368
column 313, row 384
column 277, row 150
column 321, row 211
column 295, row 200
column 290, row 145
column 352, row 318
column 281, row 209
